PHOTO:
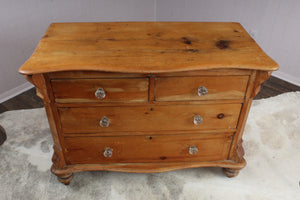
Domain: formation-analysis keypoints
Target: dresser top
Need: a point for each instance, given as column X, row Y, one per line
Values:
column 146, row 47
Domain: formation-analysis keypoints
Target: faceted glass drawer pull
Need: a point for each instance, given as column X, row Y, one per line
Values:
column 104, row 122
column 198, row 120
column 202, row 91
column 193, row 150
column 100, row 93
column 108, row 152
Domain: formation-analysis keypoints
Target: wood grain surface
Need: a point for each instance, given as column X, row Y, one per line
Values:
column 116, row 90
column 186, row 88
column 156, row 148
column 99, row 74
column 149, row 118
column 146, row 47
column 150, row 72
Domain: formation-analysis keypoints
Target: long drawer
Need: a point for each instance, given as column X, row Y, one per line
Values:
column 149, row 118
column 100, row 90
column 156, row 148
column 200, row 88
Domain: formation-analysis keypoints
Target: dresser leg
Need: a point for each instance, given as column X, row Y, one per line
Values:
column 231, row 172
column 64, row 177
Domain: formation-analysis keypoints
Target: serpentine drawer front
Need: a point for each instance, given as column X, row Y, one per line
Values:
column 147, row 96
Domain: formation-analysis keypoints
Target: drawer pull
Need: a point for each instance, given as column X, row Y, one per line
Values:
column 202, row 91
column 104, row 122
column 193, row 150
column 108, row 152
column 100, row 93
column 198, row 120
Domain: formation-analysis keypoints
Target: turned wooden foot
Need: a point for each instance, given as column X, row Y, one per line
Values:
column 231, row 172
column 64, row 178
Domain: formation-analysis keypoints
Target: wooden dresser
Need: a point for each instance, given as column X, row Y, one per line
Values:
column 147, row 96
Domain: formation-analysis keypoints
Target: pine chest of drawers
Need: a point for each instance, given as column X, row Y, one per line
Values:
column 147, row 96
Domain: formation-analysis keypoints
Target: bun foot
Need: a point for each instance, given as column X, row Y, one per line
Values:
column 62, row 176
column 65, row 179
column 231, row 172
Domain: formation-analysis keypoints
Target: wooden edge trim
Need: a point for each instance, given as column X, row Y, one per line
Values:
column 261, row 77
column 243, row 116
column 151, row 91
column 150, row 133
column 26, row 70
column 147, row 167
column 59, row 155
column 82, row 74
column 154, row 103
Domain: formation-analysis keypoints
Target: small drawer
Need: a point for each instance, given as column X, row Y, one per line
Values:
column 143, row 149
column 100, row 90
column 149, row 118
column 200, row 88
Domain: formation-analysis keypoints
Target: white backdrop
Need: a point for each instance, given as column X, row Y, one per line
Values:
column 23, row 23
column 274, row 24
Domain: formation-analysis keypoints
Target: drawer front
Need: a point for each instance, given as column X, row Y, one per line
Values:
column 100, row 90
column 156, row 148
column 209, row 87
column 149, row 118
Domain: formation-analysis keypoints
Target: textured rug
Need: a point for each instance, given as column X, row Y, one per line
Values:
column 271, row 141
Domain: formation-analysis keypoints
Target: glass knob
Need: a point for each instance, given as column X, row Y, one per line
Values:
column 100, row 93
column 193, row 150
column 104, row 122
column 108, row 152
column 202, row 91
column 198, row 120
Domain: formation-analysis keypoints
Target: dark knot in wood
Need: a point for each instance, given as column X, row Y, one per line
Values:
column 185, row 40
column 220, row 116
column 223, row 44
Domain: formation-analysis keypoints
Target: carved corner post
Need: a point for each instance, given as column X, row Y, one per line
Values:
column 237, row 151
column 261, row 77
column 43, row 90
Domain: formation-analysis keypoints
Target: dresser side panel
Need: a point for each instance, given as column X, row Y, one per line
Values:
column 41, row 81
column 236, row 151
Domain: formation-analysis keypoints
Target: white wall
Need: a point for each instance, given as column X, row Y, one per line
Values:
column 23, row 22
column 274, row 24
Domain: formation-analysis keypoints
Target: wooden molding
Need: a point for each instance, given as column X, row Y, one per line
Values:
column 261, row 77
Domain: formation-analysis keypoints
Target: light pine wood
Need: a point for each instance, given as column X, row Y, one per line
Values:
column 147, row 133
column 42, row 85
column 157, row 103
column 237, row 150
column 97, row 74
column 257, row 78
column 151, row 72
column 150, row 118
column 146, row 47
column 156, row 148
column 148, row 167
column 186, row 88
column 116, row 90
column 231, row 172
